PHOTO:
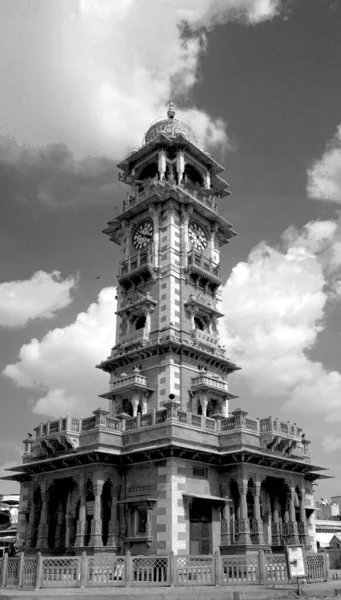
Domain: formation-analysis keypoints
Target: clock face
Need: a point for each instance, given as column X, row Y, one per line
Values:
column 143, row 235
column 197, row 236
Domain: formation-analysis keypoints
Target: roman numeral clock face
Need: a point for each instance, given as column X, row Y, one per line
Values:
column 143, row 235
column 197, row 236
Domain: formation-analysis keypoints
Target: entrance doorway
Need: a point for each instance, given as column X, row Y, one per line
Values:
column 200, row 522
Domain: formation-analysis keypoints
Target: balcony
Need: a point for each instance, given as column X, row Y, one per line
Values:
column 152, row 429
column 136, row 337
column 212, row 383
column 282, row 436
column 136, row 269
column 126, row 383
column 205, row 338
column 203, row 271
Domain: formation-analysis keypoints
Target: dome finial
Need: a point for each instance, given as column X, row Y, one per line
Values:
column 171, row 111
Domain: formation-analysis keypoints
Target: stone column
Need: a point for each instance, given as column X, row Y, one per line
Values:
column 42, row 541
column 135, row 400
column 302, row 525
column 243, row 523
column 204, row 403
column 257, row 525
column 114, row 523
column 180, row 165
column 31, row 521
column 276, row 526
column 186, row 213
column 214, row 229
column 81, row 523
column 68, row 521
column 60, row 527
column 162, row 164
column 154, row 212
column 290, row 531
column 96, row 525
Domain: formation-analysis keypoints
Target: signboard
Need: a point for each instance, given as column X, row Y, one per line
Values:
column 295, row 561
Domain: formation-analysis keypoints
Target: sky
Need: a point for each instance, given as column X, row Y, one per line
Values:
column 259, row 81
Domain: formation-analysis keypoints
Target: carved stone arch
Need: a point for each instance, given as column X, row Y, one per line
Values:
column 193, row 175
column 147, row 172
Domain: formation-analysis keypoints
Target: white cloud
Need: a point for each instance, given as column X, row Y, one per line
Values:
column 98, row 87
column 275, row 307
column 324, row 176
column 61, row 366
column 36, row 298
column 331, row 443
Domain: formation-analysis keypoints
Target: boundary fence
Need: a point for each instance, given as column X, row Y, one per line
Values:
column 109, row 570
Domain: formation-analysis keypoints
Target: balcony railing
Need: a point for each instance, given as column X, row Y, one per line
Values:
column 205, row 338
column 201, row 195
column 277, row 427
column 211, row 382
column 129, row 381
column 198, row 261
column 136, row 336
column 141, row 260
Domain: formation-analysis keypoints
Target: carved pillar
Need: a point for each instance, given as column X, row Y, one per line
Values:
column 257, row 525
column 243, row 524
column 225, row 522
column 81, row 523
column 180, row 165
column 204, row 403
column 214, row 229
column 302, row 525
column 276, row 525
column 114, row 523
column 135, row 400
column 290, row 531
column 42, row 541
column 96, row 525
column 68, row 520
column 154, row 212
column 144, row 402
column 162, row 164
column 31, row 521
column 60, row 526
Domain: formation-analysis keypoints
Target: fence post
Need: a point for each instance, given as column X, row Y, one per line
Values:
column 128, row 569
column 261, row 567
column 4, row 570
column 21, row 569
column 172, row 569
column 326, row 566
column 39, row 576
column 216, row 560
column 84, row 570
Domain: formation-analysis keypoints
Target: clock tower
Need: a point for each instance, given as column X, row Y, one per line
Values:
column 170, row 234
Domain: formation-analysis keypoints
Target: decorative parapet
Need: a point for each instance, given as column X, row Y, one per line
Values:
column 200, row 264
column 209, row 382
column 171, row 414
column 199, row 336
column 282, row 436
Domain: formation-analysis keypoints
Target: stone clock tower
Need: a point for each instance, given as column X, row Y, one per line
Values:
column 167, row 468
column 170, row 234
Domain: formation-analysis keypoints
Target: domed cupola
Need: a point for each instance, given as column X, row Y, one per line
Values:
column 170, row 127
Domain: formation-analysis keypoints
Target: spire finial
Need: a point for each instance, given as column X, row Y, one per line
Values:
column 171, row 111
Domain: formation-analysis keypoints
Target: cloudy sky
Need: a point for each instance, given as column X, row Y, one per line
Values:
column 260, row 82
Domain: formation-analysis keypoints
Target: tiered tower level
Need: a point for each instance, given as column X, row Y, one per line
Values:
column 167, row 468
column 168, row 295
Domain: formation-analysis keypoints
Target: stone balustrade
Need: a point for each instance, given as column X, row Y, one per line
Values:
column 136, row 336
column 172, row 415
column 204, row 337
column 129, row 381
column 151, row 188
column 196, row 260
column 281, row 428
column 140, row 260
column 209, row 382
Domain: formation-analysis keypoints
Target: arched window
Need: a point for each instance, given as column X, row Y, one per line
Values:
column 140, row 322
column 149, row 172
column 192, row 176
column 199, row 324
